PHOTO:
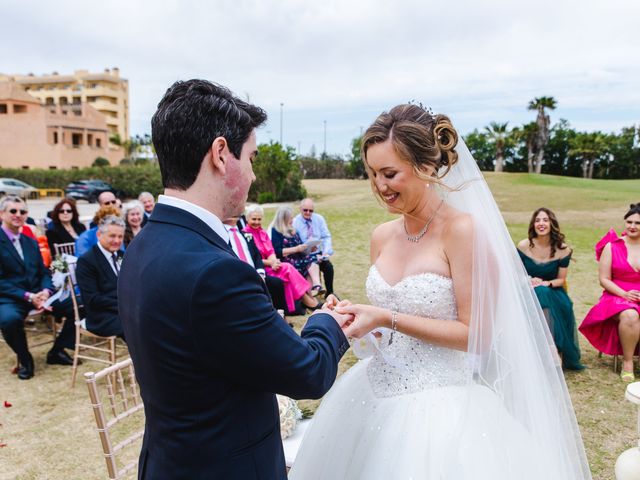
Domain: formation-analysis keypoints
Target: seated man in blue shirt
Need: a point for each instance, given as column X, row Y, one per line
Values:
column 310, row 225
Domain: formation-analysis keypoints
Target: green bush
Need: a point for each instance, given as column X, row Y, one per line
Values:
column 278, row 174
column 100, row 162
column 131, row 180
column 266, row 197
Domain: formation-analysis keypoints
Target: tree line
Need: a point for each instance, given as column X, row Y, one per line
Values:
column 538, row 147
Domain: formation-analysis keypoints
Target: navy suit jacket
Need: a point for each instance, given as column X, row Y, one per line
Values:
column 210, row 351
column 99, row 288
column 18, row 276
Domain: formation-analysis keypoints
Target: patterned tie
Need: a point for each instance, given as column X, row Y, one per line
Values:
column 114, row 259
column 309, row 230
column 236, row 240
column 16, row 243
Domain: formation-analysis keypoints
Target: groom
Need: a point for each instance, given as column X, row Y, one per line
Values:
column 208, row 347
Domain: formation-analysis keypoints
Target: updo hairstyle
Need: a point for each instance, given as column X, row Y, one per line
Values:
column 419, row 137
column 633, row 209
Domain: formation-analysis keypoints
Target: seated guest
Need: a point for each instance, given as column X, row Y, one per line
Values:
column 25, row 284
column 89, row 238
column 148, row 203
column 133, row 214
column 245, row 249
column 295, row 285
column 310, row 225
column 613, row 324
column 546, row 258
column 65, row 224
column 97, row 274
column 289, row 248
column 106, row 199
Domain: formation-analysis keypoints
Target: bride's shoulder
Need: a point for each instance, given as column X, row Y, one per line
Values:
column 457, row 223
column 382, row 232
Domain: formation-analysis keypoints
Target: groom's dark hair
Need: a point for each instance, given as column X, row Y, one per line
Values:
column 189, row 117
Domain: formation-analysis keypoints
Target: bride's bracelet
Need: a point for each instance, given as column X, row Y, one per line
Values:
column 394, row 325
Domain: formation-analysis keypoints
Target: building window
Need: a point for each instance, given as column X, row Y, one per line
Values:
column 25, row 167
column 3, row 108
column 19, row 109
column 99, row 142
column 75, row 168
column 76, row 100
column 64, row 101
column 76, row 140
column 52, row 167
column 55, row 138
column 90, row 139
column 49, row 101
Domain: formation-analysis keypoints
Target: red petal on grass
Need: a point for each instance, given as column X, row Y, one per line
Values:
column 3, row 445
column 7, row 404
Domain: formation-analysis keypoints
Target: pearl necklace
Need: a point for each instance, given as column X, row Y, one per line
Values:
column 416, row 238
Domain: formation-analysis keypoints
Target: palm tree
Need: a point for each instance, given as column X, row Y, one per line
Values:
column 588, row 147
column 498, row 134
column 542, row 123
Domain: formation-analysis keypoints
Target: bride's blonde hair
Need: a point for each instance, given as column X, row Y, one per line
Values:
column 419, row 137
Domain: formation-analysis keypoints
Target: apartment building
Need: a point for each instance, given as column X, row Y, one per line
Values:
column 107, row 92
column 34, row 135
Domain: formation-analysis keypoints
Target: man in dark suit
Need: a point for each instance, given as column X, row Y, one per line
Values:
column 251, row 255
column 25, row 284
column 208, row 347
column 97, row 274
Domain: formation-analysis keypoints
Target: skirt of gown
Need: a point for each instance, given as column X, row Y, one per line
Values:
column 295, row 285
column 563, row 324
column 600, row 326
column 358, row 435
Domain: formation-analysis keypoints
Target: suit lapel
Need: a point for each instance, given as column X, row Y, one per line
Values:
column 12, row 249
column 103, row 263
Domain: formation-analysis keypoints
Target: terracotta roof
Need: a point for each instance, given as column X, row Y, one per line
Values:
column 13, row 91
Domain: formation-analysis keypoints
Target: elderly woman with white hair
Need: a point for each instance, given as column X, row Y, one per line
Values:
column 133, row 214
column 289, row 247
column 295, row 285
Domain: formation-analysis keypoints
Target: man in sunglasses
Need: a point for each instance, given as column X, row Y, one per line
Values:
column 25, row 285
column 106, row 199
column 313, row 226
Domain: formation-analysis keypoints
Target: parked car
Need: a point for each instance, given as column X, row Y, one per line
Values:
column 89, row 190
column 11, row 186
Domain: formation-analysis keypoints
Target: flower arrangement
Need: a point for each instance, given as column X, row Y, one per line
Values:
column 289, row 415
column 59, row 265
column 248, row 236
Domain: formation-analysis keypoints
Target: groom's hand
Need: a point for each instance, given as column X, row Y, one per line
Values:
column 340, row 318
column 365, row 319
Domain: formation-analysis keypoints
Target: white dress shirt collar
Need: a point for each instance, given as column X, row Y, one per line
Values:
column 205, row 215
column 109, row 256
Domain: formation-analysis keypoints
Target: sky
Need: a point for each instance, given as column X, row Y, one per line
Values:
column 332, row 66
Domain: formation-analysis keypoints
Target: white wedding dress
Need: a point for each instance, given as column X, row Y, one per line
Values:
column 410, row 411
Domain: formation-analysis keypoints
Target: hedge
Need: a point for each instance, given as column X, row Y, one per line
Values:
column 130, row 179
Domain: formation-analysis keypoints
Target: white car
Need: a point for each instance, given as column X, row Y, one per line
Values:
column 11, row 186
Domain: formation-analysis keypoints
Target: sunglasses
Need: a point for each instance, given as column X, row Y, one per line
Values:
column 13, row 211
column 307, row 210
column 110, row 202
column 66, row 210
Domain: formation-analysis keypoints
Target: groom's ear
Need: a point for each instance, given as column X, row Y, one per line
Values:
column 218, row 154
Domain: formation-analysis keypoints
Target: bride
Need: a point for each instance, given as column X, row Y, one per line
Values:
column 460, row 380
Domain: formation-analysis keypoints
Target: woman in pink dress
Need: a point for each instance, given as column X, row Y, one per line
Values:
column 613, row 324
column 295, row 285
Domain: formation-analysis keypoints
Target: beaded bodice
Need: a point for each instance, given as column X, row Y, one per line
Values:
column 409, row 365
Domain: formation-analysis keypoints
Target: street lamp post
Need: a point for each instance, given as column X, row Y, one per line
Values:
column 281, row 105
column 324, row 153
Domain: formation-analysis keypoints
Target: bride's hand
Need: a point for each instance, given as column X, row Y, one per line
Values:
column 365, row 319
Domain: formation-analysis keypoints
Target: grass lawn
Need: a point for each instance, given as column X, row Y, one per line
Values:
column 49, row 431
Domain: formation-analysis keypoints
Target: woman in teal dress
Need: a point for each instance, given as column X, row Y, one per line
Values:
column 546, row 258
